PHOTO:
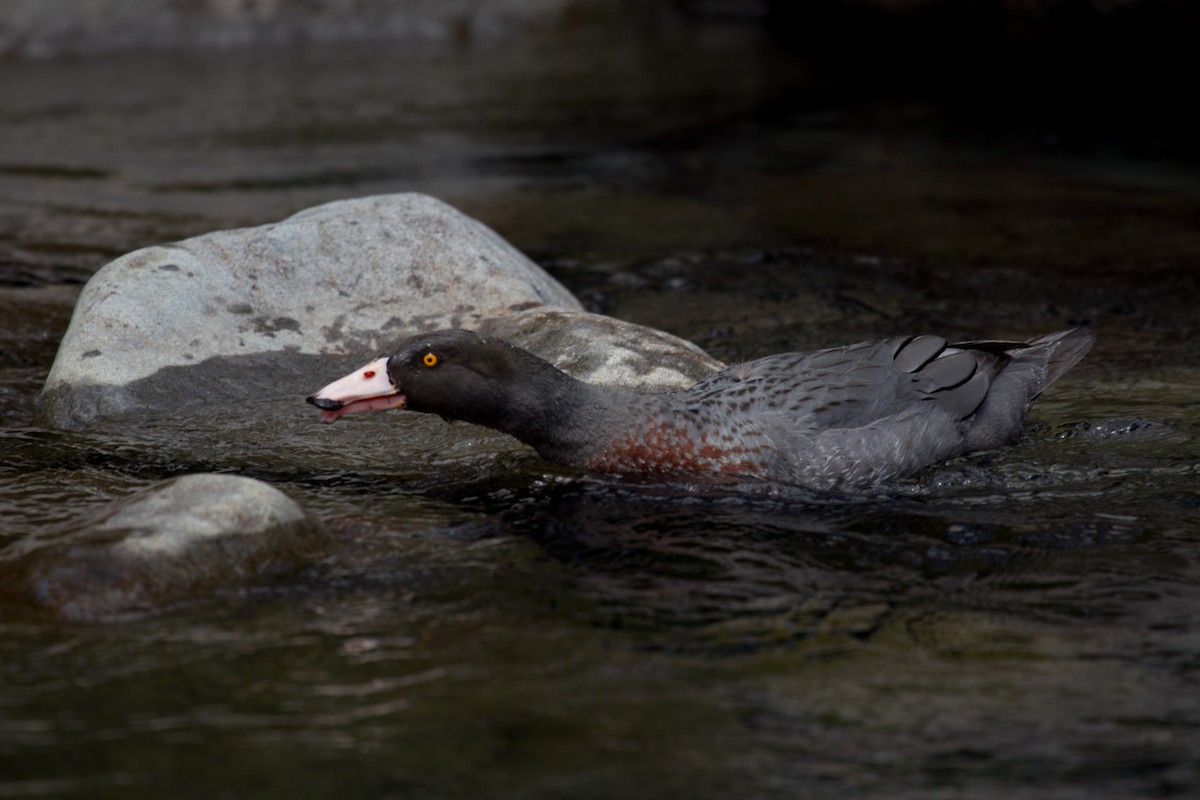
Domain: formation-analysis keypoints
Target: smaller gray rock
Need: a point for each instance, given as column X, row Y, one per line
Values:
column 161, row 547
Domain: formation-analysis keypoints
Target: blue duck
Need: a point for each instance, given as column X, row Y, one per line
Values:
column 841, row 418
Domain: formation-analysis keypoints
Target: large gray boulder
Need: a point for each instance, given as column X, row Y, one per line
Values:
column 263, row 311
column 168, row 544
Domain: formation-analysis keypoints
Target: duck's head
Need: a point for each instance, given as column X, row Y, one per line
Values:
column 457, row 374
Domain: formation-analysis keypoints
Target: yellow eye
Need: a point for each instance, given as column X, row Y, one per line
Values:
column 429, row 360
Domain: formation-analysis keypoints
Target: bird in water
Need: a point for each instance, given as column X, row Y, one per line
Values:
column 841, row 418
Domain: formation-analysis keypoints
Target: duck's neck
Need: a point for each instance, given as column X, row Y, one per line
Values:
column 581, row 425
column 568, row 420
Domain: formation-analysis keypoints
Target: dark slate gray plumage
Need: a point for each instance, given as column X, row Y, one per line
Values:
column 837, row 418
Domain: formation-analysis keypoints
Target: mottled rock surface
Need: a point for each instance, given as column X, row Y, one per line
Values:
column 162, row 546
column 604, row 350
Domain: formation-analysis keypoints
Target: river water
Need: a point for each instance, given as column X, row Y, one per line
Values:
column 1021, row 623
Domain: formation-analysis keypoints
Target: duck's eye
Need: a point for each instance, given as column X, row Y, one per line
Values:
column 429, row 360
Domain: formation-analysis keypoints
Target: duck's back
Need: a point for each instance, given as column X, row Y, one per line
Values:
column 861, row 414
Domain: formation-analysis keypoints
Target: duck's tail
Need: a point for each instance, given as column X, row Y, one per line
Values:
column 1031, row 367
column 1061, row 351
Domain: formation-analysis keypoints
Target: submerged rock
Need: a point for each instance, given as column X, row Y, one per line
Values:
column 260, row 311
column 163, row 546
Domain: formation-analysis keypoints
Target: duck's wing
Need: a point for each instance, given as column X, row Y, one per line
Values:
column 857, row 415
column 846, row 387
column 861, row 383
column 956, row 378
